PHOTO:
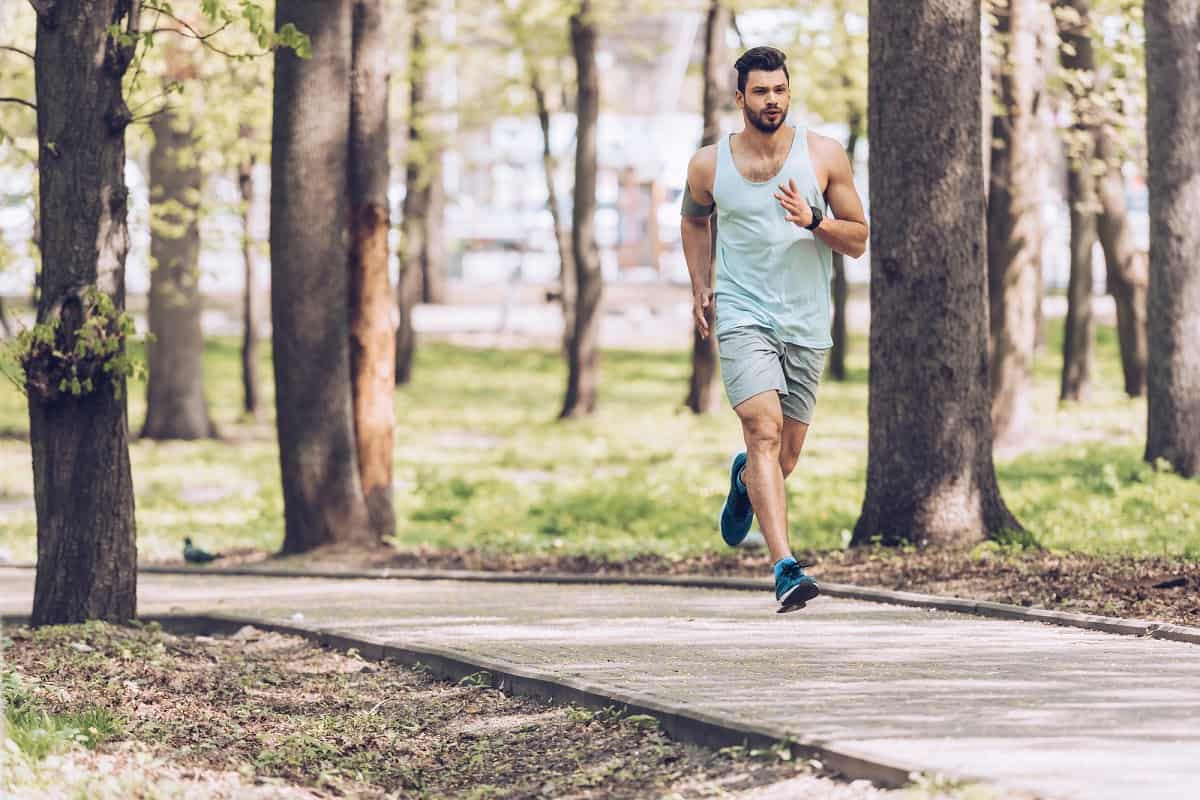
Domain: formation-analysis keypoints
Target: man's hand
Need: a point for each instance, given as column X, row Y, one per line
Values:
column 702, row 303
column 799, row 211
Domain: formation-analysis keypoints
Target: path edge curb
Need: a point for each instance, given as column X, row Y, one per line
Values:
column 677, row 721
column 982, row 608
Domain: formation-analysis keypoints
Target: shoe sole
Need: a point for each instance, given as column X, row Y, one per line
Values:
column 732, row 486
column 798, row 597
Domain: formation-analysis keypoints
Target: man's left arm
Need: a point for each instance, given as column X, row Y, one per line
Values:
column 846, row 231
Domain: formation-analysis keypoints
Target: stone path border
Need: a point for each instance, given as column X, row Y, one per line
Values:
column 677, row 721
column 983, row 608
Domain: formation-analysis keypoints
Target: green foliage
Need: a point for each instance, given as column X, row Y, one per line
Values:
column 56, row 362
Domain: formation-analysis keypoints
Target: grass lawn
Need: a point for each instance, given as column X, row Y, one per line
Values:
column 481, row 462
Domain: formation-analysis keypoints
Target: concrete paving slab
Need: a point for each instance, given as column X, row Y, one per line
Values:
column 1059, row 711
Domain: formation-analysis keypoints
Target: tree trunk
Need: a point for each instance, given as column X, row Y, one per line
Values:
column 1126, row 274
column 322, row 493
column 250, row 335
column 4, row 323
column 433, row 260
column 1013, row 236
column 82, row 483
column 562, row 237
column 930, row 477
column 372, row 341
column 1173, row 377
column 583, row 358
column 841, row 287
column 175, row 403
column 411, row 283
column 702, row 389
column 424, row 168
column 1080, row 144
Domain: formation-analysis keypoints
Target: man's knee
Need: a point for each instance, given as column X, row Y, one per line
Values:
column 763, row 432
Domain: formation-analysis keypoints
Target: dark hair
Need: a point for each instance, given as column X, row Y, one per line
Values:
column 767, row 59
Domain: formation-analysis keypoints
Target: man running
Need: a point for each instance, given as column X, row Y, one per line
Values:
column 773, row 186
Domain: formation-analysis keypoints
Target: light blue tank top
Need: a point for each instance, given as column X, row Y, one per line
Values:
column 770, row 272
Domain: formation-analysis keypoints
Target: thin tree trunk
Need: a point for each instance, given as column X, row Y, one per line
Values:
column 322, row 493
column 250, row 335
column 175, row 404
column 1173, row 377
column 410, row 288
column 583, row 359
column 841, row 287
column 1126, row 270
column 433, row 259
column 1013, row 236
column 82, row 483
column 1080, row 145
column 930, row 477
column 702, row 389
column 562, row 237
column 372, row 341
column 4, row 319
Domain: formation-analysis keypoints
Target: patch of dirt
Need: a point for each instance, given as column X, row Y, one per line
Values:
column 222, row 714
column 1159, row 589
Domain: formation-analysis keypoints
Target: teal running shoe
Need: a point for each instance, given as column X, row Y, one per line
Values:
column 737, row 514
column 793, row 589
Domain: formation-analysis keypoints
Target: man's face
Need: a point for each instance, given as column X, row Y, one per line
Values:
column 765, row 100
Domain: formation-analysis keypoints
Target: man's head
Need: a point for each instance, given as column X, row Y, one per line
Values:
column 763, row 87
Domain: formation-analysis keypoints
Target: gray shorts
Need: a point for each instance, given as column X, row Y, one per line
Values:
column 754, row 360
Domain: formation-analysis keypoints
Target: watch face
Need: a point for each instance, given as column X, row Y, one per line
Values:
column 817, row 217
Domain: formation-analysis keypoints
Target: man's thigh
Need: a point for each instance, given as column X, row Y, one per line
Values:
column 750, row 365
column 802, row 368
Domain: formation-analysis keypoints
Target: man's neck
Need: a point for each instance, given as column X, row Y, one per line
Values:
column 766, row 144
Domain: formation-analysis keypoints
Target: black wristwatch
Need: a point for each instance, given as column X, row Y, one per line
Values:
column 818, row 217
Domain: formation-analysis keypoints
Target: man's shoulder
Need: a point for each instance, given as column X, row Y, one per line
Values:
column 702, row 169
column 825, row 150
column 705, row 158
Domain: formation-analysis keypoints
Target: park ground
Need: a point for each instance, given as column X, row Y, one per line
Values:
column 487, row 478
column 108, row 713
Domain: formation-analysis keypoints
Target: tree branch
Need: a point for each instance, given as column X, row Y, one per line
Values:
column 9, row 47
column 18, row 101
column 190, row 32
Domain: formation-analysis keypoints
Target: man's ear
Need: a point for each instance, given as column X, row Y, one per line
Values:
column 739, row 98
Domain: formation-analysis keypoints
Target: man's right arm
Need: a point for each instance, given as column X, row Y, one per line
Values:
column 696, row 233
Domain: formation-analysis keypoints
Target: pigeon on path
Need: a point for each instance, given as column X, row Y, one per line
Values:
column 194, row 555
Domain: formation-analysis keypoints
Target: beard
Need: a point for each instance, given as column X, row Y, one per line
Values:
column 764, row 123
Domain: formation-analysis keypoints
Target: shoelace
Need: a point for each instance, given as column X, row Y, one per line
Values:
column 795, row 569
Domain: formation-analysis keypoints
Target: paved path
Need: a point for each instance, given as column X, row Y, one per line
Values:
column 1062, row 712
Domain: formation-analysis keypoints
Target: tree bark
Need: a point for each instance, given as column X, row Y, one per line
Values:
column 175, row 403
column 841, row 287
column 1080, row 143
column 1126, row 275
column 702, row 389
column 83, row 486
column 930, row 478
column 250, row 312
column 322, row 493
column 1173, row 377
column 583, row 358
column 562, row 237
column 372, row 341
column 1013, row 236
